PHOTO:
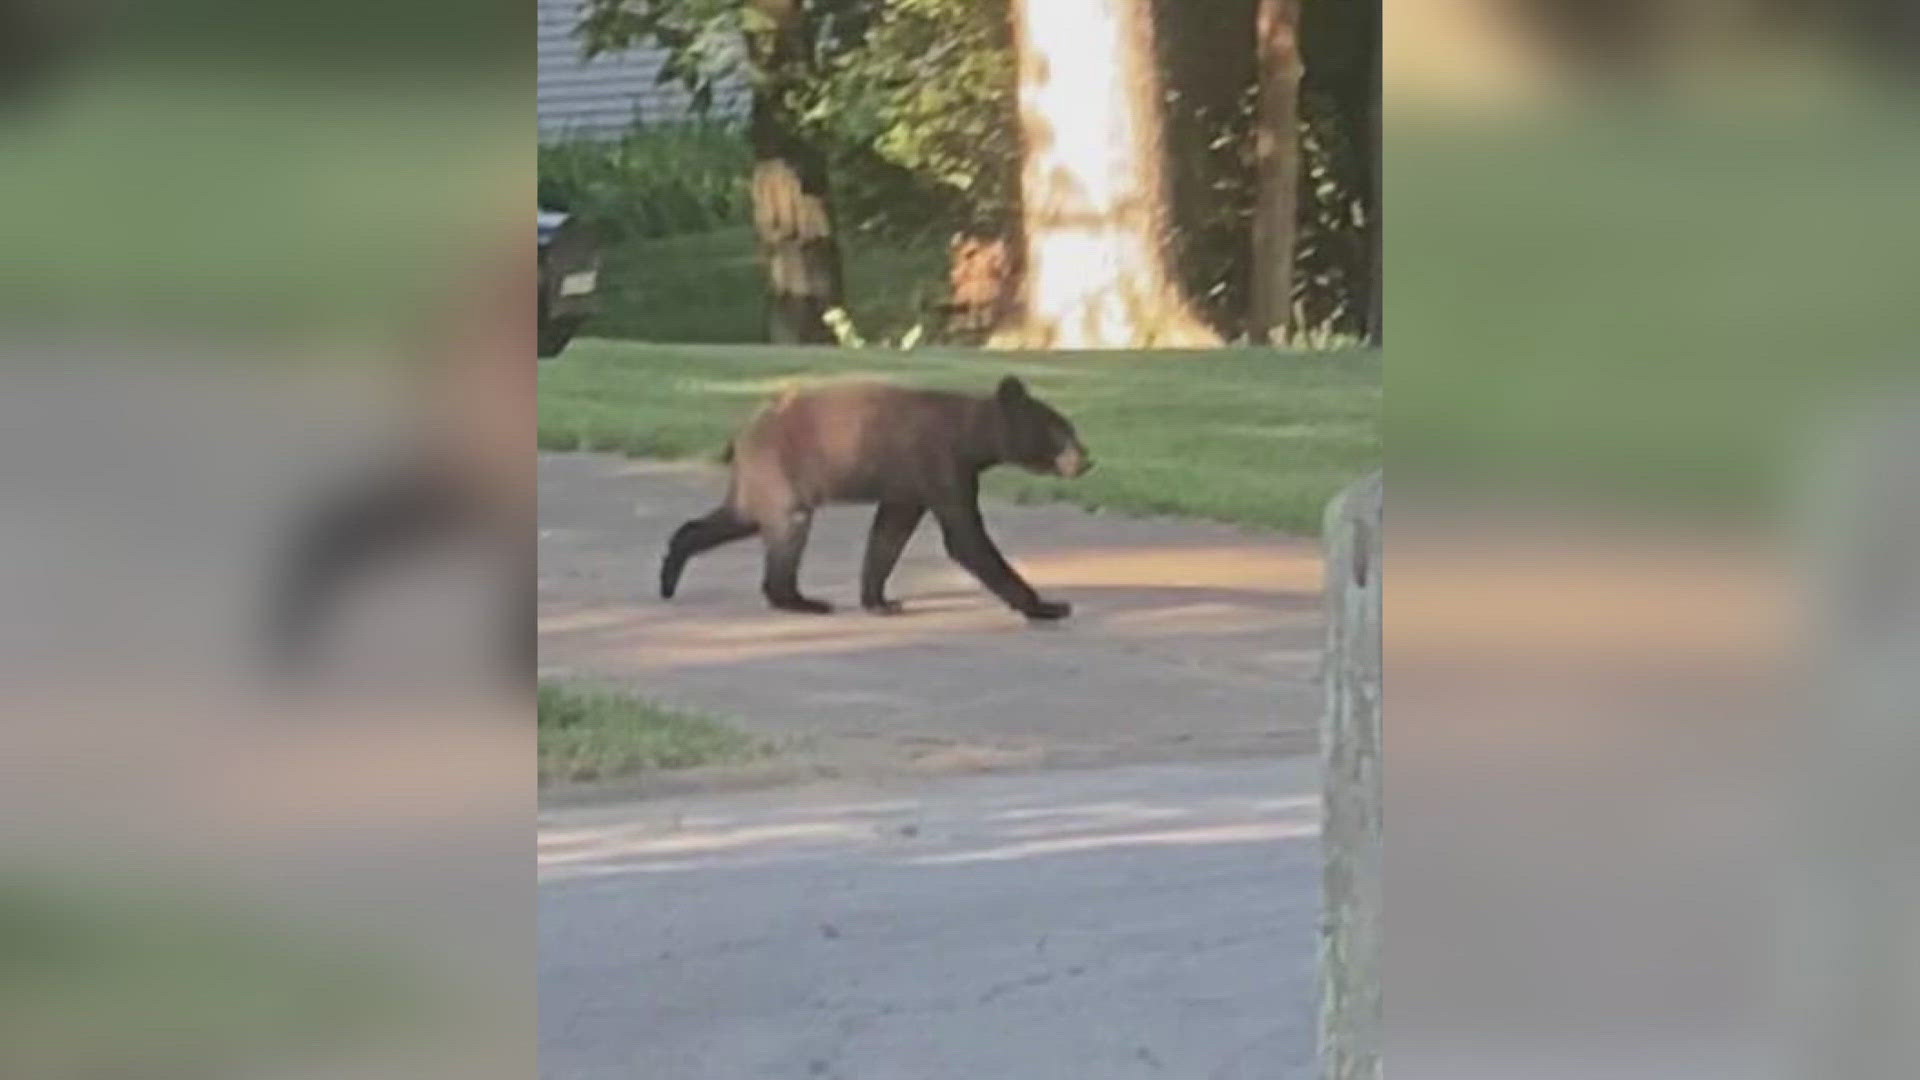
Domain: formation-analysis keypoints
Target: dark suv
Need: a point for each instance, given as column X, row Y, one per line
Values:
column 569, row 279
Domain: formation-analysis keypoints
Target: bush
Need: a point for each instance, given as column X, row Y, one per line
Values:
column 919, row 116
column 663, row 180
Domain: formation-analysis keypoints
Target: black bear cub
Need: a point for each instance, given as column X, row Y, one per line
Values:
column 913, row 452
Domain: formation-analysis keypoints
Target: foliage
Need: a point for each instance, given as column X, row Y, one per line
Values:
column 654, row 181
column 1212, row 117
column 1330, row 254
column 920, row 114
column 913, row 99
column 1330, row 247
column 914, row 103
column 1339, row 94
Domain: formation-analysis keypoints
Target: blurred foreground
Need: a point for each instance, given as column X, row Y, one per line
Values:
column 254, row 271
column 1651, row 722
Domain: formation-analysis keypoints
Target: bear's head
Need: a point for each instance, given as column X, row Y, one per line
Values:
column 1034, row 436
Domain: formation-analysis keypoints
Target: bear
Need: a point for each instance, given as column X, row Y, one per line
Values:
column 912, row 452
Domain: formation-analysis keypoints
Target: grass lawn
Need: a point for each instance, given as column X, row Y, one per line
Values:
column 104, row 979
column 588, row 734
column 1624, row 333
column 1248, row 436
column 708, row 287
column 168, row 196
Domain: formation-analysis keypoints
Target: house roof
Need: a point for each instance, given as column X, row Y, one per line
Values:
column 604, row 96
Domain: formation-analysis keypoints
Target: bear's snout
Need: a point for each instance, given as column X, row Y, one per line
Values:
column 1072, row 462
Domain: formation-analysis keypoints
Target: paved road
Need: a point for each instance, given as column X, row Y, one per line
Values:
column 1112, row 924
column 1188, row 642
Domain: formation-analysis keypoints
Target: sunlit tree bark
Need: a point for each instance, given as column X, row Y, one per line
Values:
column 1093, row 182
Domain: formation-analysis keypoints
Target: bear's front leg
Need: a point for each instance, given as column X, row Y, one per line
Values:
column 893, row 525
column 968, row 543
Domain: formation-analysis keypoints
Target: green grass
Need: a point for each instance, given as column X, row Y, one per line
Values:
column 166, row 195
column 1249, row 436
column 97, row 979
column 590, row 734
column 708, row 287
column 1658, row 302
column 698, row 287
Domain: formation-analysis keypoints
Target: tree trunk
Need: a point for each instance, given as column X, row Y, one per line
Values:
column 791, row 216
column 1376, row 223
column 1277, row 156
column 1351, row 1014
column 1093, row 184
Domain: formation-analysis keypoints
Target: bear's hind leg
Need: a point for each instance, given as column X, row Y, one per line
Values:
column 723, row 526
column 786, row 542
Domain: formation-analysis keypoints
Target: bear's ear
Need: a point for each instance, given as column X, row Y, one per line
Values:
column 1011, row 391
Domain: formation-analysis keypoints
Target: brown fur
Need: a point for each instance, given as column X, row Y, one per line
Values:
column 911, row 452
